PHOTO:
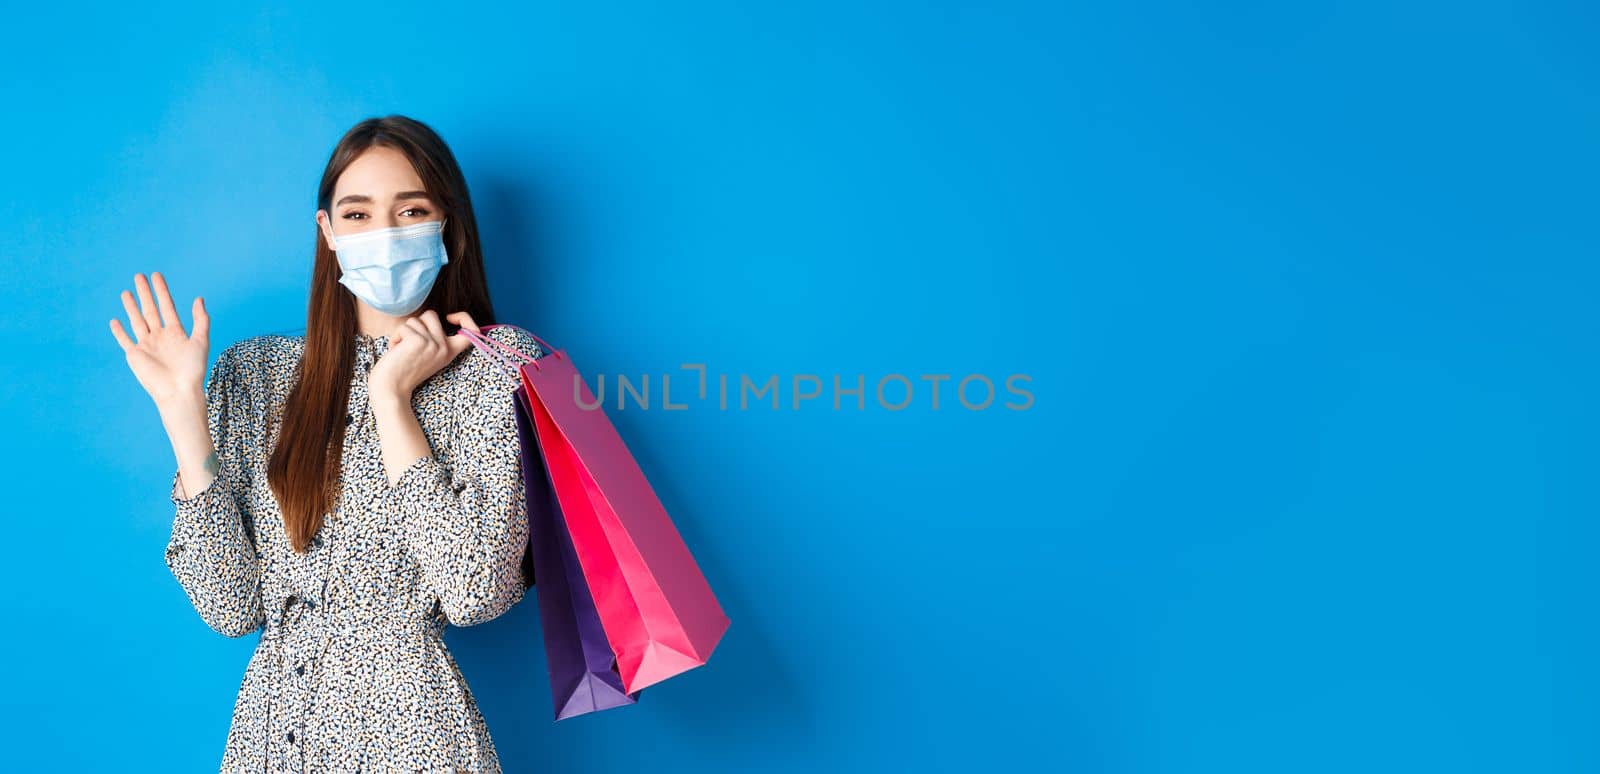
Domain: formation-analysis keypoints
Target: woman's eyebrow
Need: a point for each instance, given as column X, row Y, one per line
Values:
column 365, row 199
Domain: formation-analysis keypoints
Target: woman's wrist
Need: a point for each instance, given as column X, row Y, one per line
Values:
column 186, row 423
column 184, row 403
column 193, row 449
column 400, row 437
column 388, row 400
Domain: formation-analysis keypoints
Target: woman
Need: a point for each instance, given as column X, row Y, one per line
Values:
column 352, row 490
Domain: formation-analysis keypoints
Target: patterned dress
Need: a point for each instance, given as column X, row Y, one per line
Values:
column 351, row 673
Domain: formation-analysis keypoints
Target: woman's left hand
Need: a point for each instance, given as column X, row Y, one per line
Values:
column 417, row 350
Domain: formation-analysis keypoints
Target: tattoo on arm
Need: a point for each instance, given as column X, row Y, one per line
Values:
column 212, row 465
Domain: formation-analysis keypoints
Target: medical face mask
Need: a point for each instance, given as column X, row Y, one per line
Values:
column 392, row 269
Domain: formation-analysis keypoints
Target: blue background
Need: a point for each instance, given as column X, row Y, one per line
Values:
column 1306, row 294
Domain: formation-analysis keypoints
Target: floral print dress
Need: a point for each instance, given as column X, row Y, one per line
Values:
column 350, row 673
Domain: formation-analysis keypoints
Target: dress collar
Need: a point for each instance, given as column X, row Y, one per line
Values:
column 369, row 348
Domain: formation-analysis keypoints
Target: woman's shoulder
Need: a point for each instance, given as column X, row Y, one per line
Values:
column 518, row 338
column 267, row 345
column 489, row 366
column 263, row 360
column 267, row 350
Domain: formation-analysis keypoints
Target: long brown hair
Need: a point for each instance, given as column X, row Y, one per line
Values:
column 304, row 470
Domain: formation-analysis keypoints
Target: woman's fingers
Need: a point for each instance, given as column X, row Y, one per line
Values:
column 427, row 327
column 430, row 319
column 202, row 320
column 135, row 320
column 169, row 313
column 414, row 327
column 459, row 343
column 147, row 304
column 121, row 336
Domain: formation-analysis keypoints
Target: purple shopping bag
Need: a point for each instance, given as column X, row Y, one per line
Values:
column 583, row 668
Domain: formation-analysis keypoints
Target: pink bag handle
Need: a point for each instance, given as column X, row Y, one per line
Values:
column 494, row 348
column 542, row 343
column 485, row 344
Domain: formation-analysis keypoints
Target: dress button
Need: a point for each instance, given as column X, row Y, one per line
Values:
column 291, row 737
column 300, row 670
column 349, row 418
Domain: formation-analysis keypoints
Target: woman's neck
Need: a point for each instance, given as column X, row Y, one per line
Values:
column 371, row 322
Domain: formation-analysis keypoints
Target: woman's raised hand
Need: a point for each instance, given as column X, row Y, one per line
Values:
column 169, row 362
column 417, row 350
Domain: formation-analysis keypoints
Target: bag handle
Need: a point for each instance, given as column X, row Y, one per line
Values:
column 542, row 343
column 483, row 343
column 494, row 347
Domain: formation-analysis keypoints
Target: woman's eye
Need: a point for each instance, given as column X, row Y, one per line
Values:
column 352, row 215
column 420, row 212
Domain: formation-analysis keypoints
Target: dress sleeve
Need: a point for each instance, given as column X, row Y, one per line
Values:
column 212, row 550
column 467, row 524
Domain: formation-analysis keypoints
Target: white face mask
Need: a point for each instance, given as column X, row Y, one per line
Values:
column 392, row 269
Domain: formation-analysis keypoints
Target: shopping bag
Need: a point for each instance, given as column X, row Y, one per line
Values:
column 583, row 670
column 659, row 613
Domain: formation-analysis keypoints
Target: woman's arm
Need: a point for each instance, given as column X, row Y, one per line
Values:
column 212, row 550
column 186, row 421
column 466, row 524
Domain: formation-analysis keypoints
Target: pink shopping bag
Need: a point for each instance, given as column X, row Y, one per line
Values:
column 657, row 609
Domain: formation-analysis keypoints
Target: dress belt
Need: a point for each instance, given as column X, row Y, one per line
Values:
column 297, row 613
